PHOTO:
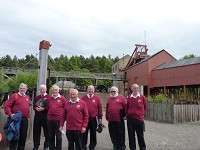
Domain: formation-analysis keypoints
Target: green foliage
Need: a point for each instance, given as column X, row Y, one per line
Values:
column 188, row 56
column 161, row 98
column 28, row 78
column 63, row 63
column 157, row 99
column 150, row 98
column 3, row 87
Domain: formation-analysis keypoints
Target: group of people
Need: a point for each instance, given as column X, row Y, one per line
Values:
column 81, row 116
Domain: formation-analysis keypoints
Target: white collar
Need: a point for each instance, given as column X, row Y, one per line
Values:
column 43, row 94
column 56, row 96
column 21, row 94
column 73, row 102
column 88, row 95
column 138, row 95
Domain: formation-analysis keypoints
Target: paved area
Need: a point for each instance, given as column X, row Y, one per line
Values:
column 159, row 136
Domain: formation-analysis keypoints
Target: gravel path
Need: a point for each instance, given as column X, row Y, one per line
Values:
column 158, row 136
column 162, row 136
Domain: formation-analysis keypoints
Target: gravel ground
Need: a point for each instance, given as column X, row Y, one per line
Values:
column 158, row 136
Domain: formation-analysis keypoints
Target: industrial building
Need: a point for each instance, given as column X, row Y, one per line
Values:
column 162, row 73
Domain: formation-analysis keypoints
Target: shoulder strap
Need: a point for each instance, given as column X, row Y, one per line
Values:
column 16, row 97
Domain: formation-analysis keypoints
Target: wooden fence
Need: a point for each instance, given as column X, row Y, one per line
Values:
column 172, row 113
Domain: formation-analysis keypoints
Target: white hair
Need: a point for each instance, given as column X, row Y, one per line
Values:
column 114, row 87
column 24, row 85
column 134, row 85
column 55, row 86
column 91, row 86
column 75, row 90
column 43, row 86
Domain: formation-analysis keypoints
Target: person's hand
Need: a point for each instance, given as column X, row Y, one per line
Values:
column 62, row 131
column 12, row 115
column 125, row 118
column 83, row 130
column 39, row 108
column 61, row 128
column 100, row 121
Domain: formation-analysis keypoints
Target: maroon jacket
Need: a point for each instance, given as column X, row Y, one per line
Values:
column 114, row 107
column 44, row 112
column 76, row 115
column 16, row 103
column 56, row 108
column 94, row 106
column 136, row 107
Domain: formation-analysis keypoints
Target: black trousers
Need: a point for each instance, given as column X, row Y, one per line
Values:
column 137, row 126
column 74, row 136
column 53, row 126
column 40, row 122
column 20, row 144
column 92, row 126
column 117, row 134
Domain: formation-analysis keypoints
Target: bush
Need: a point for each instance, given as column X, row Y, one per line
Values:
column 28, row 78
column 150, row 99
column 157, row 99
column 161, row 98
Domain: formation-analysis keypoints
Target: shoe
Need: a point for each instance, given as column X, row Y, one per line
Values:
column 46, row 148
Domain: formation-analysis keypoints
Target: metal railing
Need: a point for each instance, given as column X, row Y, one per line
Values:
column 80, row 75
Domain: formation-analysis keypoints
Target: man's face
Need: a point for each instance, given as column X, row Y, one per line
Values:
column 113, row 92
column 55, row 91
column 42, row 90
column 135, row 89
column 22, row 90
column 73, row 95
column 90, row 90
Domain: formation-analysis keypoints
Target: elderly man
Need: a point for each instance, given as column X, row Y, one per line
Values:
column 40, row 119
column 56, row 105
column 19, row 102
column 76, row 117
column 95, row 112
column 136, row 108
column 115, row 115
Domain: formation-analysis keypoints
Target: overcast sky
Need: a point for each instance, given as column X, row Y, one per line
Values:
column 99, row 27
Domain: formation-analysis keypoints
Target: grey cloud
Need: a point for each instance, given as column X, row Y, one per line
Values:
column 24, row 24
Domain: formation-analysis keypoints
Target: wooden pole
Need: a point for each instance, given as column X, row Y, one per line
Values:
column 42, row 68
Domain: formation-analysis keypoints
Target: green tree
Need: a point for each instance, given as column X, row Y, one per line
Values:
column 7, row 61
column 92, row 64
column 75, row 63
column 51, row 63
column 31, row 62
column 58, row 65
column 106, row 64
column 15, row 61
column 188, row 56
column 115, row 59
column 23, row 77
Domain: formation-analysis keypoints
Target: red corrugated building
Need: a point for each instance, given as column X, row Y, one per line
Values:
column 162, row 72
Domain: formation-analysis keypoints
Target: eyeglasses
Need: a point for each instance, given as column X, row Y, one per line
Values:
column 112, row 91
